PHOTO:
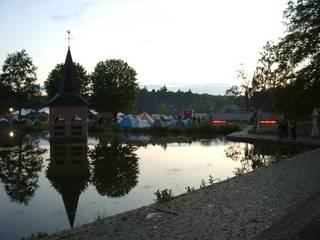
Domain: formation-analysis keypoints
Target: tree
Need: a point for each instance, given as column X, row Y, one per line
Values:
column 292, row 66
column 233, row 92
column 163, row 109
column 245, row 84
column 51, row 84
column 19, row 76
column 6, row 97
column 114, row 86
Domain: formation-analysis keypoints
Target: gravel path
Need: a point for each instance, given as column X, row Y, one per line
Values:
column 238, row 208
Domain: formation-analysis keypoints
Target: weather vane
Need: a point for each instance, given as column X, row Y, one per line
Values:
column 68, row 38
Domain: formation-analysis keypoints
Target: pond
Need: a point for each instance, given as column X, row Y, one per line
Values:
column 46, row 187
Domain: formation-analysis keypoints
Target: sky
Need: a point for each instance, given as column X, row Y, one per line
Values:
column 167, row 42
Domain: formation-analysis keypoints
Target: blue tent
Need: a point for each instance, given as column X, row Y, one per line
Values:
column 188, row 122
column 126, row 122
column 177, row 123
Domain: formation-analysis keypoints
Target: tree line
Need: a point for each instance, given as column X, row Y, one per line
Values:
column 111, row 87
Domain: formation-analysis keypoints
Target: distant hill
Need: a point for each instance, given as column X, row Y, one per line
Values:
column 201, row 88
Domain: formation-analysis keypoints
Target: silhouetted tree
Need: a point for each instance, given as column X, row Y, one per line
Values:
column 115, row 168
column 114, row 86
column 19, row 168
column 51, row 84
column 290, row 68
column 19, row 76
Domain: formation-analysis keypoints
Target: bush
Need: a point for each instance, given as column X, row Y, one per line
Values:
column 163, row 195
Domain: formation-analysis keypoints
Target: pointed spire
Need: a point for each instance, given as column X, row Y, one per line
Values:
column 69, row 82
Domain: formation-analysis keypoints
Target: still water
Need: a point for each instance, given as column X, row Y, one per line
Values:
column 46, row 187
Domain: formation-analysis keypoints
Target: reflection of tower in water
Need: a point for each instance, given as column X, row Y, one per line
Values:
column 68, row 173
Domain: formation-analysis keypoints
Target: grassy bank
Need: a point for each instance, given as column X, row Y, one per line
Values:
column 204, row 127
column 42, row 126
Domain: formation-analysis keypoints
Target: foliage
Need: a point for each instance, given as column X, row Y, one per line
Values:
column 38, row 127
column 233, row 92
column 203, row 184
column 51, row 84
column 164, row 195
column 114, row 168
column 19, row 77
column 291, row 67
column 211, row 179
column 114, row 86
column 6, row 97
column 35, row 236
column 177, row 102
column 189, row 189
column 163, row 109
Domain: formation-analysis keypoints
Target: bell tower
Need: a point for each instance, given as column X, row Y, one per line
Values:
column 68, row 110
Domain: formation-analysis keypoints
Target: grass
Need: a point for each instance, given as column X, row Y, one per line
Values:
column 204, row 127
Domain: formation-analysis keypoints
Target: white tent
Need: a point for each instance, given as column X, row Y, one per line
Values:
column 146, row 116
column 44, row 110
column 140, row 123
column 24, row 112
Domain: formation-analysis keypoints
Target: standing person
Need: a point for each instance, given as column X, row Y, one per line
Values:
column 285, row 129
column 280, row 129
column 293, row 128
column 258, row 121
column 315, row 130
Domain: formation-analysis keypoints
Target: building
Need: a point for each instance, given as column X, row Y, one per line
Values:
column 68, row 110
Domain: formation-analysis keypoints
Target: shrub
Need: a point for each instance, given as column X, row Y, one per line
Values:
column 163, row 195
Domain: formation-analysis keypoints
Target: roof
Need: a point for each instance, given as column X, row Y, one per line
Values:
column 68, row 93
column 68, row 100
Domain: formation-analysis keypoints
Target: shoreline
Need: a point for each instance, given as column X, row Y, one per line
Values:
column 238, row 208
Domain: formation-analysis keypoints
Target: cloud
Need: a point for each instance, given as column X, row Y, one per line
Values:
column 65, row 13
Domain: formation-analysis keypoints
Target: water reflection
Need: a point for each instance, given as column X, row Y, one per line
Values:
column 164, row 140
column 20, row 165
column 253, row 156
column 68, row 172
column 114, row 168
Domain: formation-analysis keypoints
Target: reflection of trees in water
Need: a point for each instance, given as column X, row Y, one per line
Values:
column 252, row 156
column 114, row 168
column 19, row 168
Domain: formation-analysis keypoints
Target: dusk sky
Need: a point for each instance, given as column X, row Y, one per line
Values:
column 165, row 41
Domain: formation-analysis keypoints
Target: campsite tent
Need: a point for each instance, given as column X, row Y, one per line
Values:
column 127, row 122
column 142, row 123
column 159, row 123
column 145, row 116
column 177, row 123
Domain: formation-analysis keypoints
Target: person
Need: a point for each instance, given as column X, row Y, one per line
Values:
column 259, row 115
column 280, row 129
column 285, row 129
column 315, row 116
column 293, row 128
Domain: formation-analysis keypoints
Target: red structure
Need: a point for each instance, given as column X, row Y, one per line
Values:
column 188, row 114
column 68, row 111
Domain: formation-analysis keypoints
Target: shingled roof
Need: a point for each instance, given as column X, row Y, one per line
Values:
column 68, row 92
